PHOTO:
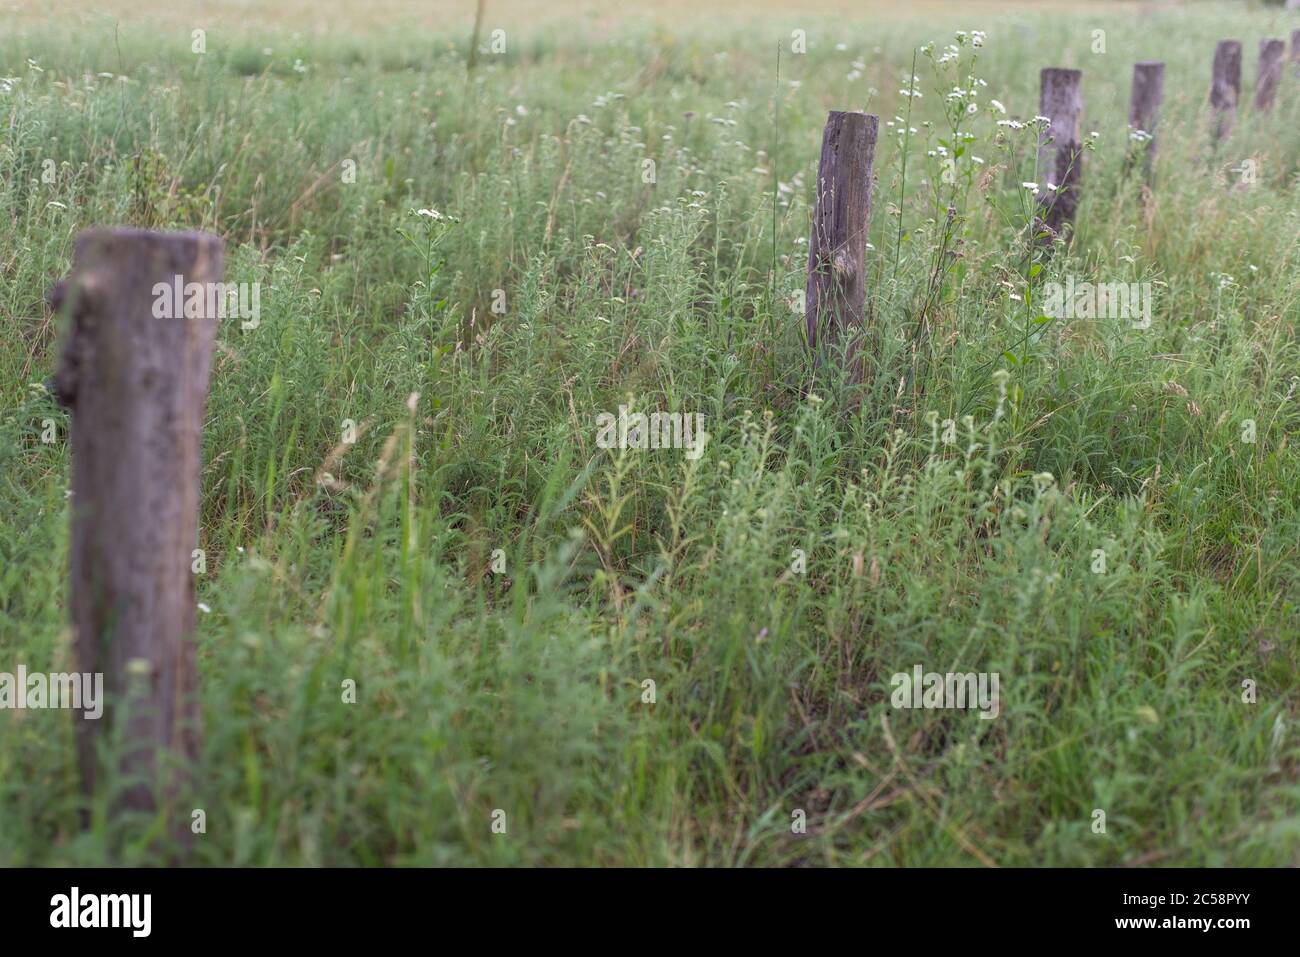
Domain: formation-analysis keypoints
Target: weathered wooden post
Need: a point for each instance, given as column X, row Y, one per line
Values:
column 1295, row 50
column 1270, row 72
column 134, row 373
column 1144, row 107
column 1060, row 147
column 837, row 250
column 1225, row 86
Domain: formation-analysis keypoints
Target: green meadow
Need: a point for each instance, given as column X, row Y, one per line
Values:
column 440, row 623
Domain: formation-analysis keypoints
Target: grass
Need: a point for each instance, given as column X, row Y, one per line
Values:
column 770, row 589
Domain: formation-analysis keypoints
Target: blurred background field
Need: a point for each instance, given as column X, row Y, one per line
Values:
column 311, row 17
column 523, row 691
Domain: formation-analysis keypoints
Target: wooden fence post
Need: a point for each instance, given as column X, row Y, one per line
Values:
column 1060, row 148
column 136, row 385
column 1225, row 87
column 1144, row 106
column 1270, row 72
column 836, row 290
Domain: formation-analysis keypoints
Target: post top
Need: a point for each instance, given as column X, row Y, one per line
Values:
column 136, row 233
